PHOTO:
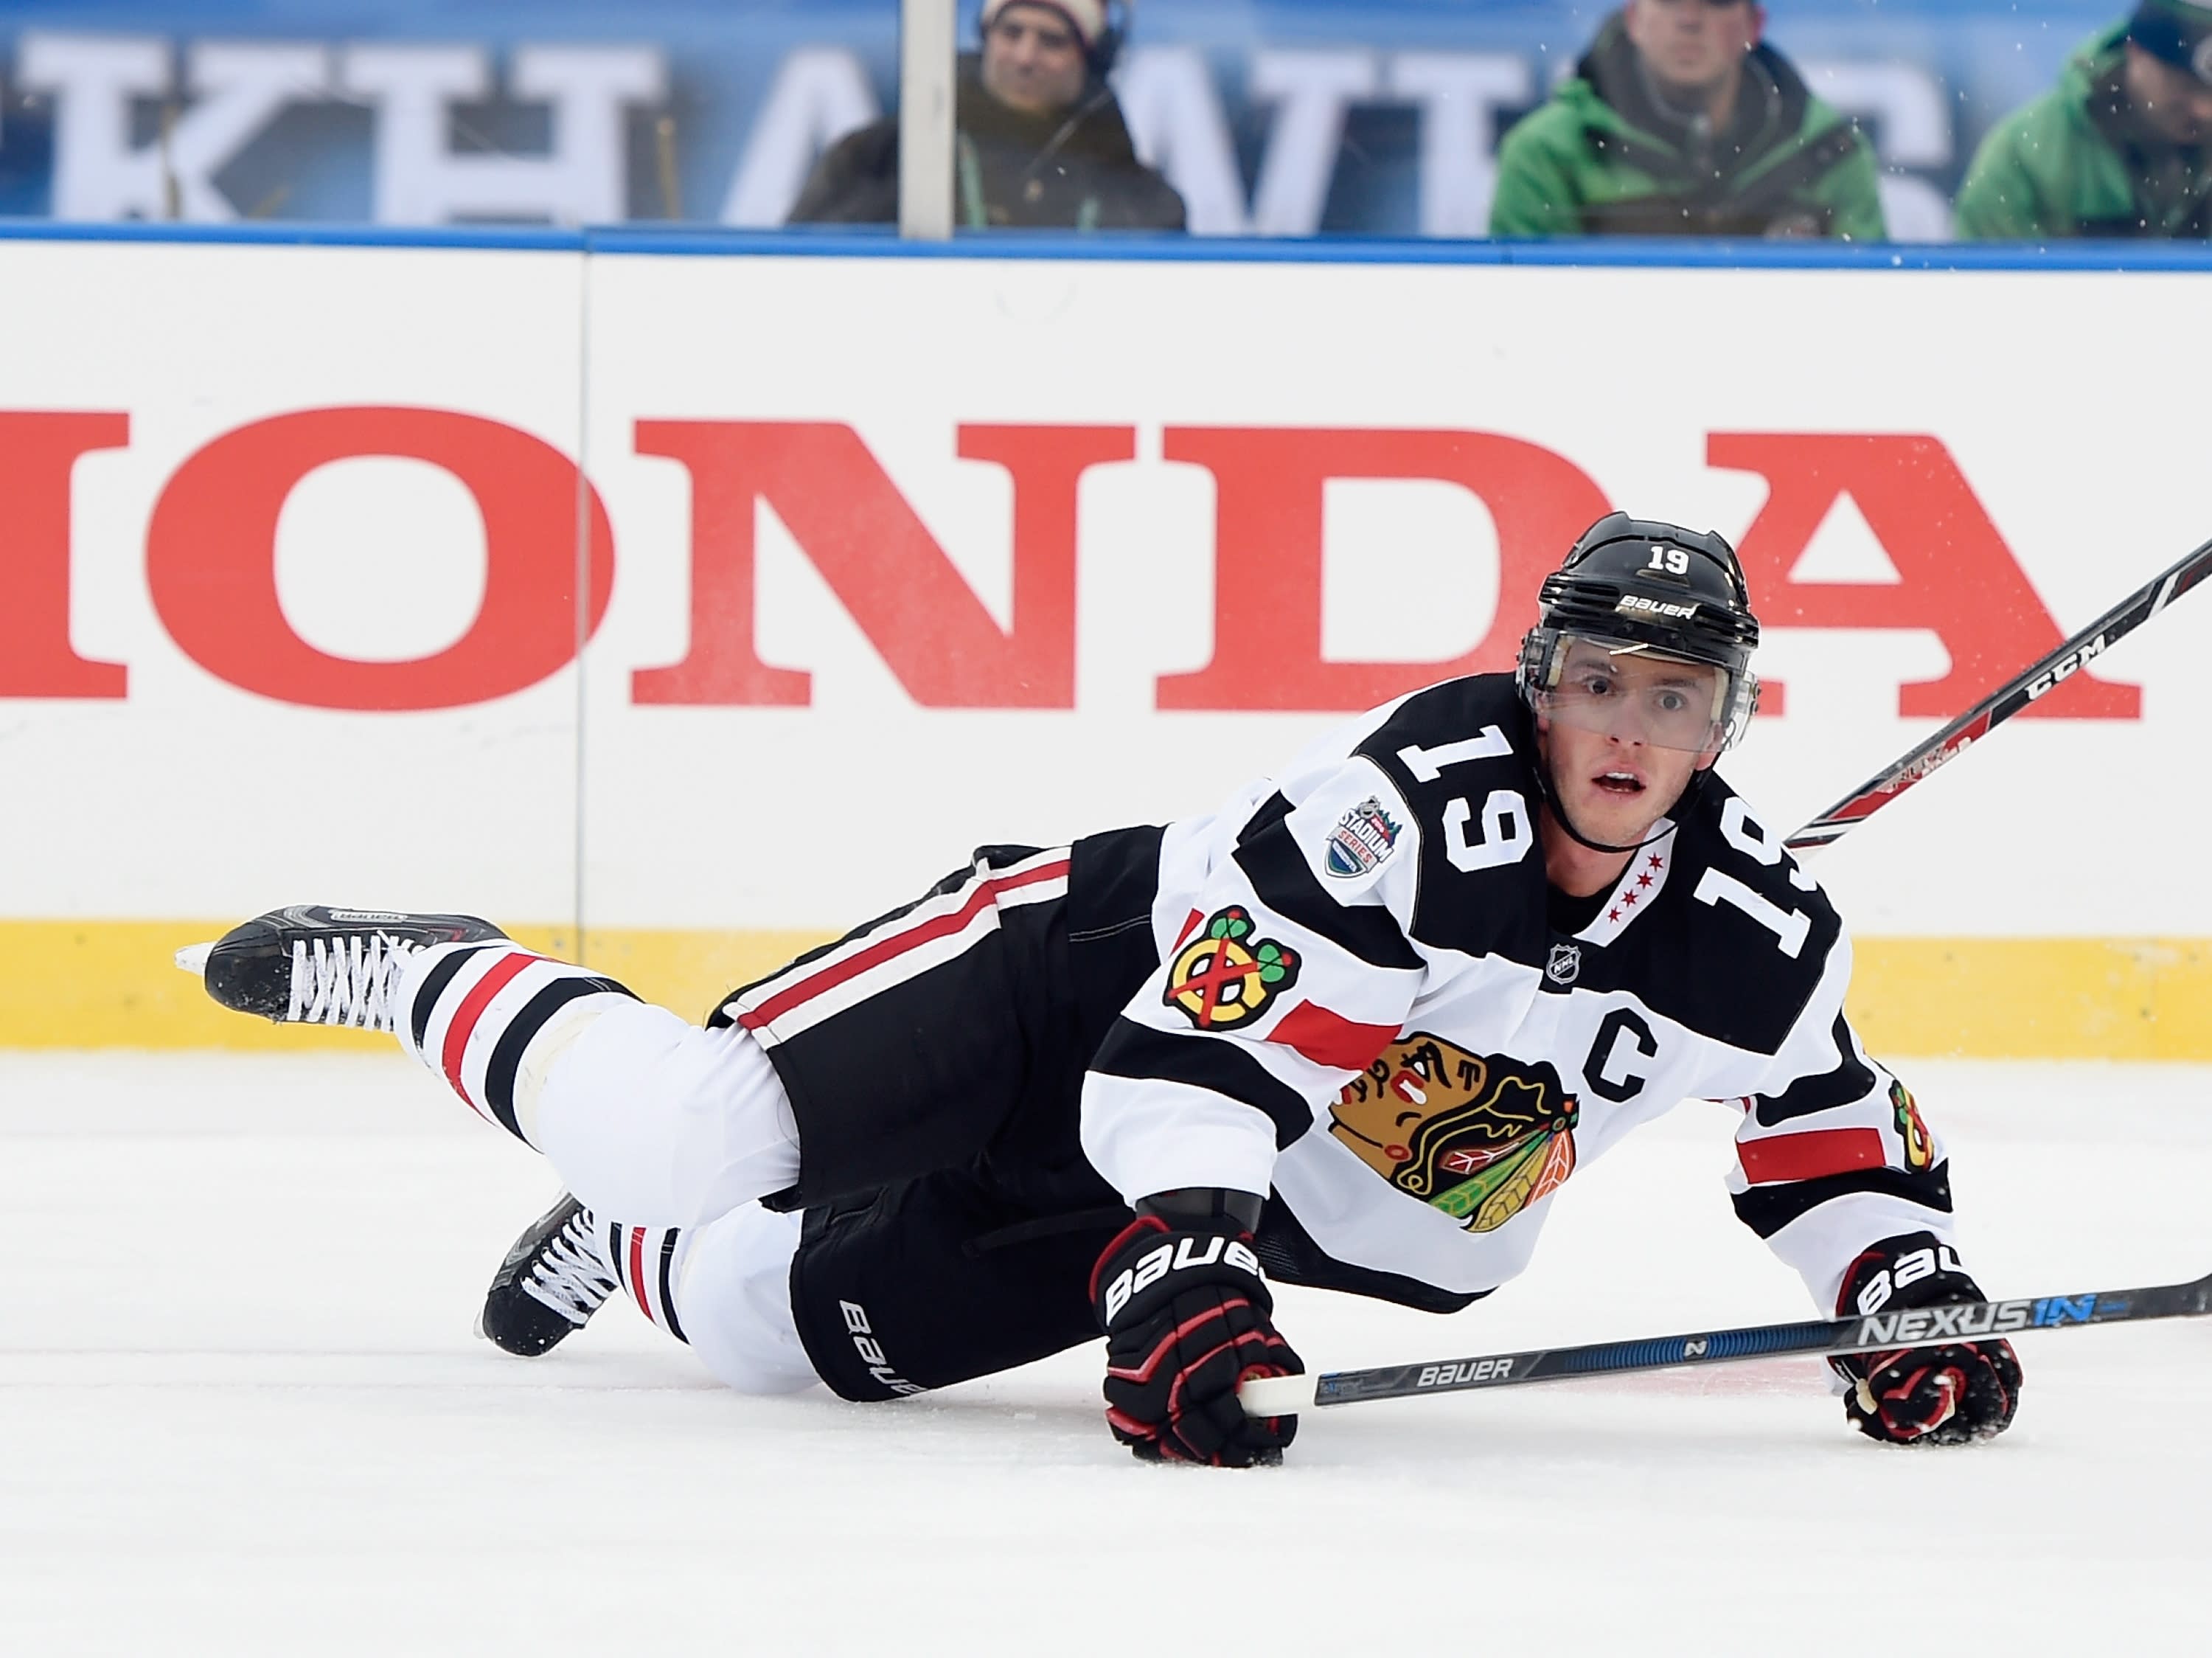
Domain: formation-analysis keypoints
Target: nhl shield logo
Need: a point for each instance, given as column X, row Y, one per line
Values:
column 1565, row 965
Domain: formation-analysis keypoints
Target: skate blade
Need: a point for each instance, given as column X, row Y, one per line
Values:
column 193, row 958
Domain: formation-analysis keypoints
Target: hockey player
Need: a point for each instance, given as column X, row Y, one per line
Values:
column 1352, row 1031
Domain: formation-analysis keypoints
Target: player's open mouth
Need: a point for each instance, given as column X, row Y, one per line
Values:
column 1620, row 783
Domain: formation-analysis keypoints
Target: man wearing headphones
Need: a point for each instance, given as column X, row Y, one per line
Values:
column 1352, row 1031
column 1040, row 140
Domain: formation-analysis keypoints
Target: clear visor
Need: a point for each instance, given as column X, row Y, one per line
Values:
column 1636, row 693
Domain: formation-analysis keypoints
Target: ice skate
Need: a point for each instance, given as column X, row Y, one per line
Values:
column 548, row 1286
column 307, row 965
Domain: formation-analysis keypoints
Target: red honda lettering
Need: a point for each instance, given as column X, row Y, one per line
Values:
column 210, row 558
column 887, row 570
column 1959, row 580
column 38, row 452
column 1267, row 554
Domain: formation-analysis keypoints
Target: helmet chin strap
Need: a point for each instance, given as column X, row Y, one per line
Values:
column 1544, row 787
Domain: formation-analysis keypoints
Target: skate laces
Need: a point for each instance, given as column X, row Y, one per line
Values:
column 346, row 980
column 569, row 1275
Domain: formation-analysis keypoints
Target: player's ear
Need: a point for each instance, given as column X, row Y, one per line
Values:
column 1706, row 760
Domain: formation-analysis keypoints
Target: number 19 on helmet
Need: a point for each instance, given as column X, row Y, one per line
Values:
column 1645, row 634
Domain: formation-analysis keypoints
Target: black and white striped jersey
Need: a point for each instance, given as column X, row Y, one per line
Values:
column 1362, row 1004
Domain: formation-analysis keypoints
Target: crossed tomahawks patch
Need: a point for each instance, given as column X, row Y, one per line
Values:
column 1225, row 976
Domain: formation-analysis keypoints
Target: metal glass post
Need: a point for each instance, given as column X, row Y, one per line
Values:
column 927, row 41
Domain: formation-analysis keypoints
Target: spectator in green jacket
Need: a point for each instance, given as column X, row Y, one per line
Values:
column 1680, row 122
column 2118, row 149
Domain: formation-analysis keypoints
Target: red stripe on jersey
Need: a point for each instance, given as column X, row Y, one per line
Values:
column 1330, row 1038
column 637, row 1272
column 894, row 945
column 1810, row 1156
column 503, row 973
column 1189, row 926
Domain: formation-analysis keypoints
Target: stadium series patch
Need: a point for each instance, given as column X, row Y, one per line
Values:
column 1363, row 838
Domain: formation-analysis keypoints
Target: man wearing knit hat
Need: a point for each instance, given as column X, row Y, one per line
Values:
column 1041, row 143
column 2122, row 146
column 1680, row 120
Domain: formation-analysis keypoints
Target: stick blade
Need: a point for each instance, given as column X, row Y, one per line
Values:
column 193, row 958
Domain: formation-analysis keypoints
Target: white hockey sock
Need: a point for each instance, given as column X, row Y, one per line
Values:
column 491, row 1019
column 647, row 1261
column 734, row 1278
column 652, row 1118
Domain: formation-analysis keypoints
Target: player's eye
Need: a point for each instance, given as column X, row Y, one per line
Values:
column 1668, row 700
column 1593, row 682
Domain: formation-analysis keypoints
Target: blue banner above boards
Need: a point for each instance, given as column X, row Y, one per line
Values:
column 1272, row 117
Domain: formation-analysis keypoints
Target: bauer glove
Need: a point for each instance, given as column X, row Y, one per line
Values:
column 1948, row 1395
column 1186, row 1314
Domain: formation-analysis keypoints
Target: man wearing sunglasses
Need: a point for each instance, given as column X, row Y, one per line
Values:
column 1680, row 121
column 1352, row 1031
column 1040, row 140
column 2121, row 148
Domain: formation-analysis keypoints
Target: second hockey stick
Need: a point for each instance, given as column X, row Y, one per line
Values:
column 2025, row 687
column 1274, row 1396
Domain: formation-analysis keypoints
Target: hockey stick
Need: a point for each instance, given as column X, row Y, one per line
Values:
column 1274, row 1396
column 2007, row 700
column 1282, row 1395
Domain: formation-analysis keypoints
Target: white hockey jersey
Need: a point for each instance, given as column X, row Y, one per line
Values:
column 1363, row 1006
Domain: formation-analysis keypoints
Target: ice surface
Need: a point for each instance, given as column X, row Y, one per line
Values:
column 244, row 1413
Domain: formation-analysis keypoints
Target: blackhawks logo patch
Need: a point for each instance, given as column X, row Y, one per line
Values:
column 1225, row 976
column 1363, row 838
column 1919, row 1147
column 1480, row 1138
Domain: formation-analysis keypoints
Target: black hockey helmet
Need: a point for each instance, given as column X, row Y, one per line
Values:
column 1634, row 586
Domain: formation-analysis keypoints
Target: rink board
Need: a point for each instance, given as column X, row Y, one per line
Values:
column 873, row 559
column 76, row 984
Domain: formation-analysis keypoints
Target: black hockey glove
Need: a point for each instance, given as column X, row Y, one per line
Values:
column 1186, row 1314
column 1948, row 1395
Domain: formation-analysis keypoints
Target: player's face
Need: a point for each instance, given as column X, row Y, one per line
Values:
column 2173, row 102
column 1613, row 789
column 1033, row 60
column 1693, row 45
column 1622, row 735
